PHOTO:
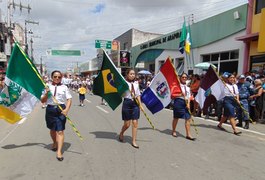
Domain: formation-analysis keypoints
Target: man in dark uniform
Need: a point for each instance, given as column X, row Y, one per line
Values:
column 244, row 88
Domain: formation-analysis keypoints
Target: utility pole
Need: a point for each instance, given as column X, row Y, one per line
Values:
column 31, row 46
column 26, row 33
column 12, row 5
column 41, row 66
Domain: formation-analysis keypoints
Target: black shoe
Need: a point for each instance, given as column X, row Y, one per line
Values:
column 239, row 125
column 221, row 128
column 121, row 139
column 190, row 138
column 246, row 125
column 237, row 133
column 135, row 146
column 54, row 149
column 59, row 158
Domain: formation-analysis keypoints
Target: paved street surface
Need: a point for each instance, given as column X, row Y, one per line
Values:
column 25, row 149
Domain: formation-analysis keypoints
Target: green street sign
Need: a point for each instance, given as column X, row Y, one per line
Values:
column 103, row 44
column 65, row 52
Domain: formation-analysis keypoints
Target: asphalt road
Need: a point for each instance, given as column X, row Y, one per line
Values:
column 25, row 149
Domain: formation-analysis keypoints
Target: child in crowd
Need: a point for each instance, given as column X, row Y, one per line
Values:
column 82, row 92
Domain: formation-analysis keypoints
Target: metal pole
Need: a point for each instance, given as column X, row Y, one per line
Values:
column 31, row 49
column 41, row 70
column 26, row 38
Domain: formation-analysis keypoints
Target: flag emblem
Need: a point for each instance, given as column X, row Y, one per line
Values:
column 109, row 85
column 10, row 94
column 208, row 92
column 162, row 90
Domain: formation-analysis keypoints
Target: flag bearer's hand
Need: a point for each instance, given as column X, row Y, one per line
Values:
column 64, row 112
column 47, row 90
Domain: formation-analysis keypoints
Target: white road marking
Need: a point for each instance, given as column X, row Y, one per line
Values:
column 22, row 121
column 102, row 109
column 87, row 100
column 2, row 140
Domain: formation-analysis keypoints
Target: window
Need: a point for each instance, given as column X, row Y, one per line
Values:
column 259, row 5
column 224, row 56
column 234, row 55
column 206, row 58
column 215, row 57
column 228, row 60
column 152, row 67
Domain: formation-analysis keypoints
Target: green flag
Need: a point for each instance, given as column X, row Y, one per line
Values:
column 109, row 84
column 183, row 38
column 23, row 87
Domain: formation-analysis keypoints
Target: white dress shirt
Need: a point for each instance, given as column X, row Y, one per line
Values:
column 62, row 94
column 231, row 90
column 128, row 94
column 185, row 90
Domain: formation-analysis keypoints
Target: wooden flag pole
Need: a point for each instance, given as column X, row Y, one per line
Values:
column 138, row 103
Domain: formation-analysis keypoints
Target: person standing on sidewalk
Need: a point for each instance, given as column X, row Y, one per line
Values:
column 55, row 117
column 131, row 108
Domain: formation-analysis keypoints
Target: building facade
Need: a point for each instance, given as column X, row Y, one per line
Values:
column 213, row 40
column 254, row 39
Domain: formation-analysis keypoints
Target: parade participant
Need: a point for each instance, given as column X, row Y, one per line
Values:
column 56, row 118
column 131, row 108
column 244, row 93
column 231, row 101
column 181, row 108
column 82, row 92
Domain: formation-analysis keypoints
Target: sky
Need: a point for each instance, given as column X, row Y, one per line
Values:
column 76, row 24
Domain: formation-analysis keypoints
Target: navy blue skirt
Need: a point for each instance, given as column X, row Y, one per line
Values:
column 230, row 106
column 130, row 110
column 82, row 97
column 180, row 110
column 54, row 119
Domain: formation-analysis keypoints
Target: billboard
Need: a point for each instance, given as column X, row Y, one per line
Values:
column 125, row 58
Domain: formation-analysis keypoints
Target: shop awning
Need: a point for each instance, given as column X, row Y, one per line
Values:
column 149, row 55
column 248, row 37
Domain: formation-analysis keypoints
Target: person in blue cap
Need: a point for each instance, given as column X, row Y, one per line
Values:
column 244, row 93
column 231, row 101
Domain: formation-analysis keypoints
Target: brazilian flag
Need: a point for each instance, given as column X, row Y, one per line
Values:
column 109, row 84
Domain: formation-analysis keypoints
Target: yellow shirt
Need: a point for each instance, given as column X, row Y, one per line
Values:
column 82, row 90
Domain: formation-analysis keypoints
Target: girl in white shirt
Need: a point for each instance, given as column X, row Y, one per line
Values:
column 56, row 118
column 230, row 103
column 181, row 108
column 130, row 108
